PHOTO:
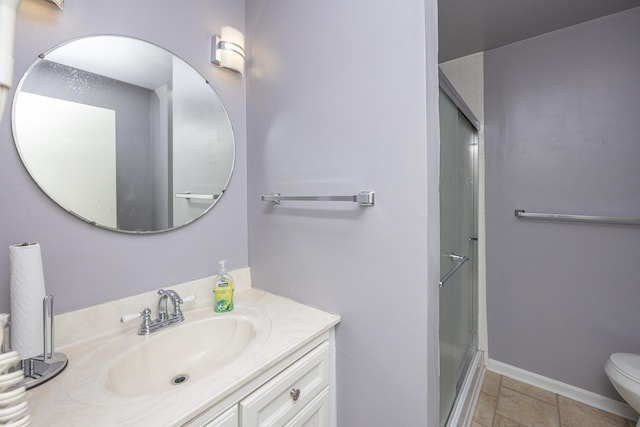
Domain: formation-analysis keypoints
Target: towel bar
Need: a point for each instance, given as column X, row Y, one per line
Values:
column 520, row 213
column 365, row 198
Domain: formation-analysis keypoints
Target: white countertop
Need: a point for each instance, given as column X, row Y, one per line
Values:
column 78, row 396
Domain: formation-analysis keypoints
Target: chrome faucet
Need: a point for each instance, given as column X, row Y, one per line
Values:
column 163, row 319
column 163, row 314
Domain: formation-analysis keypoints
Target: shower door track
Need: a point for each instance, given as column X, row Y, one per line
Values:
column 470, row 386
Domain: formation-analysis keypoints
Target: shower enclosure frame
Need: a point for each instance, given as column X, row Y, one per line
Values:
column 468, row 381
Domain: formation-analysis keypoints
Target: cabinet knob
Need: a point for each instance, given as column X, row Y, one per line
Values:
column 295, row 394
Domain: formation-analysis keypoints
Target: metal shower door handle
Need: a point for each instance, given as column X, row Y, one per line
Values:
column 460, row 261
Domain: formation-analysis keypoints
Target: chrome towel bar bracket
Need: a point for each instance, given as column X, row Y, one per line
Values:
column 365, row 198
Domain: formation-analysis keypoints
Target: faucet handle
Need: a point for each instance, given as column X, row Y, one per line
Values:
column 145, row 325
column 177, row 303
column 129, row 317
column 189, row 298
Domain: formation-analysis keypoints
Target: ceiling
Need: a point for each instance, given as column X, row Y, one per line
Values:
column 470, row 26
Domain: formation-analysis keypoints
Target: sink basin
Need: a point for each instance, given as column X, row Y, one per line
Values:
column 180, row 354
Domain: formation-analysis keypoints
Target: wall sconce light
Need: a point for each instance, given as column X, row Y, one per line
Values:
column 8, row 11
column 227, row 49
column 59, row 3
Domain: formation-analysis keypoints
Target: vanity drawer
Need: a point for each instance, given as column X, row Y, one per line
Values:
column 227, row 419
column 278, row 401
column 315, row 414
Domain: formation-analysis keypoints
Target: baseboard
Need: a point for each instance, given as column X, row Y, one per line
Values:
column 563, row 389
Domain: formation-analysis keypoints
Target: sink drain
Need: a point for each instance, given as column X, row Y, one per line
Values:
column 179, row 379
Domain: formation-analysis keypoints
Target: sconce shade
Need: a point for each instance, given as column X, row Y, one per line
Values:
column 8, row 10
column 59, row 3
column 227, row 49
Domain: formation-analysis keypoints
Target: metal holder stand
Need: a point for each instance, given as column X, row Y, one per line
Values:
column 40, row 369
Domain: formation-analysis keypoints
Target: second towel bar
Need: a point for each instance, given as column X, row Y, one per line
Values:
column 520, row 213
column 364, row 198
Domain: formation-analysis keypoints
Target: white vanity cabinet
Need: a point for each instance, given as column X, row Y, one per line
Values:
column 284, row 375
column 298, row 395
column 228, row 419
column 290, row 393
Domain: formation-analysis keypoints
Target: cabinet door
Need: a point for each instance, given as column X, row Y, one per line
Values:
column 315, row 414
column 283, row 397
column 227, row 419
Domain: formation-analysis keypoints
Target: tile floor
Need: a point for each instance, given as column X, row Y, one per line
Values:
column 505, row 402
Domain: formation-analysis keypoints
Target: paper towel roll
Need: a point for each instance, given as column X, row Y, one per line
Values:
column 27, row 293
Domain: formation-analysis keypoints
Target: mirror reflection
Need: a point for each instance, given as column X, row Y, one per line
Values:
column 123, row 134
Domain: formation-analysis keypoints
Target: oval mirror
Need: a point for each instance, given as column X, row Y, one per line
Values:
column 123, row 134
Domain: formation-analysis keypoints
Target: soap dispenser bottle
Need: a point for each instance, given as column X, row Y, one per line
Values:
column 223, row 290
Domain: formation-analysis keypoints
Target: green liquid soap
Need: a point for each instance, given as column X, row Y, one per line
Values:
column 223, row 290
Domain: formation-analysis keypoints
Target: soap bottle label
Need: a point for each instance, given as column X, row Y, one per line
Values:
column 224, row 297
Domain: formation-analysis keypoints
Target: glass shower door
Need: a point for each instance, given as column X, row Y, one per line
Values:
column 458, row 295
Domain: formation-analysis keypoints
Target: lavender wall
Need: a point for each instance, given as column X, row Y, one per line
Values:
column 561, row 135
column 86, row 265
column 337, row 104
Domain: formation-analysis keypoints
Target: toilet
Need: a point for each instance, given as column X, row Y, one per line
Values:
column 623, row 370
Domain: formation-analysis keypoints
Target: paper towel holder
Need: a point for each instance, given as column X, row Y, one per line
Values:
column 40, row 369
